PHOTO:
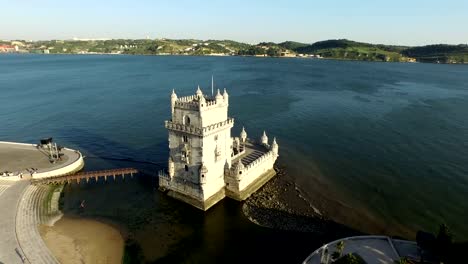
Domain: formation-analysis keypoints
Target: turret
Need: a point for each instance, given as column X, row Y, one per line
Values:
column 201, row 100
column 274, row 147
column 173, row 100
column 243, row 135
column 239, row 168
column 171, row 167
column 219, row 97
column 203, row 172
column 264, row 139
column 226, row 169
column 199, row 93
column 226, row 96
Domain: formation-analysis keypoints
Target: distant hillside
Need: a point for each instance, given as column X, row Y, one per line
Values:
column 140, row 46
column 352, row 50
column 292, row 45
column 439, row 53
column 341, row 49
column 347, row 49
column 267, row 49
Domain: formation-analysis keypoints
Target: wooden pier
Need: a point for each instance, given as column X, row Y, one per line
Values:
column 86, row 176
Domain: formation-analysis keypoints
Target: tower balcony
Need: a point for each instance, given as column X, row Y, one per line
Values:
column 229, row 123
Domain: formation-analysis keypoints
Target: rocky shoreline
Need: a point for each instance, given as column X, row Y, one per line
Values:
column 280, row 204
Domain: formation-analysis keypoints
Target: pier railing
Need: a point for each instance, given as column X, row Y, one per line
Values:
column 86, row 176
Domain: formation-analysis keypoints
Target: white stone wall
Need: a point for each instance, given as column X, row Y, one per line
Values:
column 181, row 187
column 251, row 172
column 256, row 169
column 219, row 142
column 193, row 149
column 180, row 114
column 214, row 114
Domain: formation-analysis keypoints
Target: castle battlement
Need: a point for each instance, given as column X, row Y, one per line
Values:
column 205, row 162
column 199, row 131
column 189, row 98
column 260, row 160
column 183, row 128
column 215, row 127
column 193, row 102
column 188, row 105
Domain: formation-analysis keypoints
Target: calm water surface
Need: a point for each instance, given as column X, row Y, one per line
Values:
column 387, row 140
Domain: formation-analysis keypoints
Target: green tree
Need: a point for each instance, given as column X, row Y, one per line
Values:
column 273, row 52
column 340, row 247
column 402, row 261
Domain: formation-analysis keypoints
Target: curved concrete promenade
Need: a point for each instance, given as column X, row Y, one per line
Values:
column 372, row 249
column 23, row 208
column 33, row 210
column 10, row 250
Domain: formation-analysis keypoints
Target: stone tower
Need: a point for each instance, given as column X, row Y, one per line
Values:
column 200, row 147
column 205, row 163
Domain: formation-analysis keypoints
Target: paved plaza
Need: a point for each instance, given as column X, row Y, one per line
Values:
column 10, row 251
column 17, row 158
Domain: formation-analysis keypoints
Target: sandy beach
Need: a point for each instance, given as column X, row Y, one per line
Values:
column 74, row 240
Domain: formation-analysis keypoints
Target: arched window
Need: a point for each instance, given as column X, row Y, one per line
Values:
column 187, row 120
column 186, row 168
column 185, row 138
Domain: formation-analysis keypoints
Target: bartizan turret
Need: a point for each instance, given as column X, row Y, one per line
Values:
column 171, row 167
column 274, row 147
column 173, row 100
column 227, row 169
column 264, row 139
column 203, row 172
column 243, row 135
column 199, row 93
column 239, row 168
column 219, row 98
column 201, row 98
column 226, row 96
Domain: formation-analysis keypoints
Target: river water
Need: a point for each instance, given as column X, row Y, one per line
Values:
column 386, row 142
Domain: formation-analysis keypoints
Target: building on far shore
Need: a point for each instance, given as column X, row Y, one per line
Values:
column 8, row 48
column 205, row 163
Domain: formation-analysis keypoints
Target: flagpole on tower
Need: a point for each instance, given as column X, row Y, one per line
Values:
column 212, row 85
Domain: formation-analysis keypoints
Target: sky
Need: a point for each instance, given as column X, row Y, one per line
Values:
column 397, row 22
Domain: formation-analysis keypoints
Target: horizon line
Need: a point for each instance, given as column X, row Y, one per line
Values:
column 225, row 39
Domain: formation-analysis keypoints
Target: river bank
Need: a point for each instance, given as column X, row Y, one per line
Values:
column 74, row 240
column 281, row 204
